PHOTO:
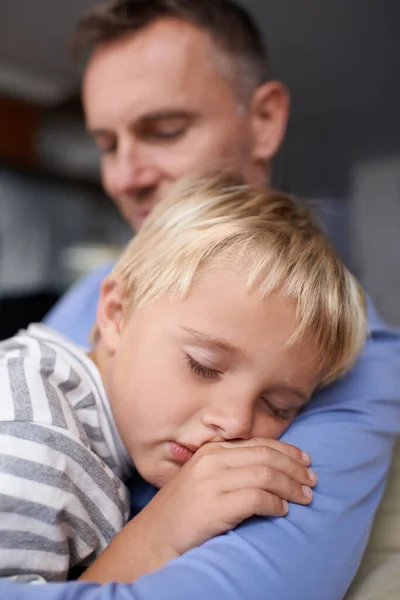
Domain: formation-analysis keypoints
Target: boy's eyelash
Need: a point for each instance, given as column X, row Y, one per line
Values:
column 278, row 412
column 208, row 373
column 282, row 414
column 201, row 370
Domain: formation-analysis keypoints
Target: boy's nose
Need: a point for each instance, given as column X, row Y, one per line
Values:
column 230, row 420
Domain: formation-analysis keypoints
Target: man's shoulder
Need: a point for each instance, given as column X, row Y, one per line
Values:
column 383, row 343
column 371, row 390
column 75, row 313
column 89, row 284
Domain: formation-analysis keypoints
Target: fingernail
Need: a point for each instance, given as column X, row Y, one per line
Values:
column 312, row 476
column 306, row 491
column 306, row 457
column 285, row 506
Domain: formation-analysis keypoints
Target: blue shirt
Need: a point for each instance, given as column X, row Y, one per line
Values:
column 75, row 314
column 349, row 429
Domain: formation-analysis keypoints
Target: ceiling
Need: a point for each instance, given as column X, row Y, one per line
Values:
column 339, row 58
column 34, row 36
column 334, row 54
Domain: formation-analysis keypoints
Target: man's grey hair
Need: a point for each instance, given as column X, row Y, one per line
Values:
column 230, row 27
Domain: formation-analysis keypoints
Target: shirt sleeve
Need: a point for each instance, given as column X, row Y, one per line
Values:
column 349, row 430
column 75, row 313
column 60, row 504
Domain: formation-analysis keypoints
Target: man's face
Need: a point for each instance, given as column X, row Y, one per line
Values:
column 160, row 106
column 184, row 373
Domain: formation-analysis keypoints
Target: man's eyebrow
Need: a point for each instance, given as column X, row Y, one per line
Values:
column 167, row 114
column 205, row 339
column 97, row 132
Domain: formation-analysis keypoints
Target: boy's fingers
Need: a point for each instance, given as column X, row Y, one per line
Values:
column 268, row 480
column 288, row 449
column 250, row 502
column 256, row 456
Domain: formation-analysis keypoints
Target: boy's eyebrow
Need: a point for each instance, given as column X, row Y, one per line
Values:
column 301, row 395
column 205, row 339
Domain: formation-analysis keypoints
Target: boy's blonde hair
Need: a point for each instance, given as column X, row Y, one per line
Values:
column 272, row 237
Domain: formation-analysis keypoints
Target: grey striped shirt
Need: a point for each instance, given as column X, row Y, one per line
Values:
column 61, row 459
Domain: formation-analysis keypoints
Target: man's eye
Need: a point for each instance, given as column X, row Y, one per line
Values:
column 171, row 134
column 109, row 149
column 200, row 369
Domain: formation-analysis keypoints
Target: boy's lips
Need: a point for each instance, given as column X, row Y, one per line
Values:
column 180, row 453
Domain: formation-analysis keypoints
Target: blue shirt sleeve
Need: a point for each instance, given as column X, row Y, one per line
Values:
column 349, row 430
column 75, row 313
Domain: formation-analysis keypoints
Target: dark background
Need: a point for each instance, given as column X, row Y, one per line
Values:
column 341, row 62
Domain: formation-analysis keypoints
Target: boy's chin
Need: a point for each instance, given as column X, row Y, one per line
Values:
column 158, row 477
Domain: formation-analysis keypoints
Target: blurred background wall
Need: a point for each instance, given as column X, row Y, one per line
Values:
column 341, row 62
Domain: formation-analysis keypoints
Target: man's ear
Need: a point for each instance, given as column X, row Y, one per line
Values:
column 269, row 111
column 111, row 312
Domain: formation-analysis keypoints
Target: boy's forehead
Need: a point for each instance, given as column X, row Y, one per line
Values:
column 223, row 314
column 221, row 293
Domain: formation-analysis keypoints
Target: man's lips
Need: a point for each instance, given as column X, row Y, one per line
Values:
column 142, row 215
column 180, row 453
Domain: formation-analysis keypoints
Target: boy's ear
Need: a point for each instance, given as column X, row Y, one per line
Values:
column 111, row 312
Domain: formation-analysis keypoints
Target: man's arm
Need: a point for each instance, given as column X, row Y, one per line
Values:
column 314, row 552
column 75, row 313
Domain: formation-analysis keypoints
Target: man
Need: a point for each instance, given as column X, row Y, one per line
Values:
column 165, row 101
column 172, row 86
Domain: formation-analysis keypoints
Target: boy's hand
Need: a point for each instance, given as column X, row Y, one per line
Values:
column 225, row 483
column 220, row 486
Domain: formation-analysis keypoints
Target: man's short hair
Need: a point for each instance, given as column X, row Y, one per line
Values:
column 230, row 27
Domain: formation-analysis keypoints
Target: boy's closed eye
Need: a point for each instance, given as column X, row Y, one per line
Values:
column 202, row 370
column 286, row 414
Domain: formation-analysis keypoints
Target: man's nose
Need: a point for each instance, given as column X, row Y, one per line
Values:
column 230, row 418
column 135, row 174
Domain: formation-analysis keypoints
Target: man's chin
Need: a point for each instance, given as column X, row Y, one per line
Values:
column 136, row 221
